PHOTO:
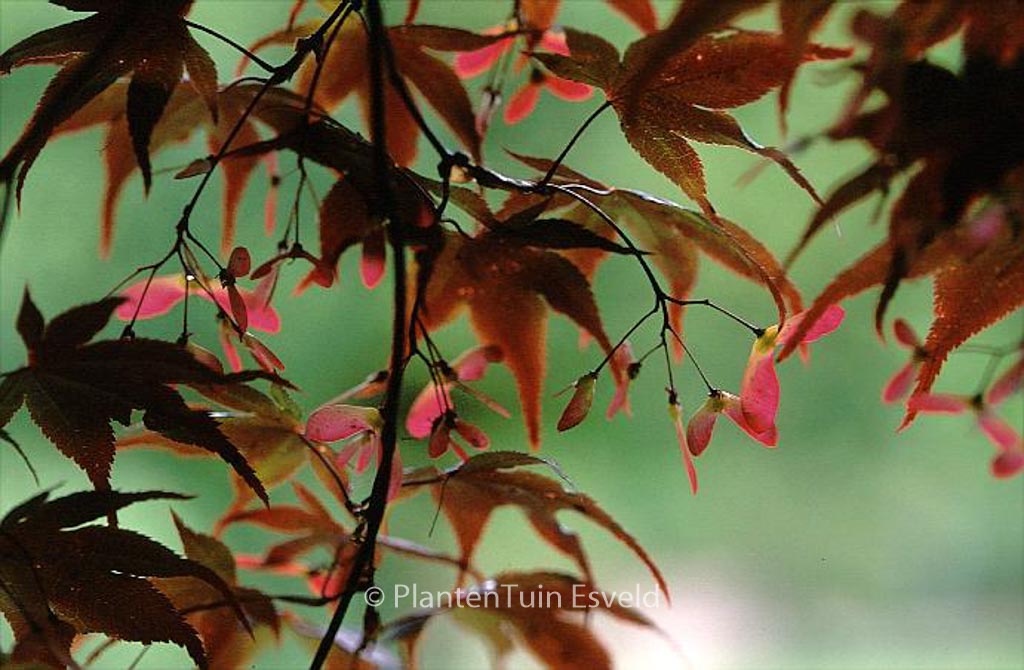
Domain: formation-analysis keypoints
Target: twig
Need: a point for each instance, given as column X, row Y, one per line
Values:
column 568, row 147
column 230, row 42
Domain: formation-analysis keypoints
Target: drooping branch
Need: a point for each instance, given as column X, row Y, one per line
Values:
column 361, row 573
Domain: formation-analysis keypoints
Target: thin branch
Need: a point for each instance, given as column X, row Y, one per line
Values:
column 279, row 75
column 362, row 567
column 568, row 147
column 693, row 359
column 230, row 42
column 756, row 330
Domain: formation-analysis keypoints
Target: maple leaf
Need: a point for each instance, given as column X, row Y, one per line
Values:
column 345, row 221
column 508, row 288
column 640, row 12
column 958, row 130
column 673, row 235
column 910, row 130
column 75, row 389
column 145, row 38
column 184, row 115
column 970, row 296
column 524, row 100
column 797, row 20
column 336, row 147
column 345, row 72
column 227, row 644
column 694, row 19
column 977, row 278
column 534, row 609
column 683, row 100
column 314, row 526
column 866, row 272
column 474, row 489
column 267, row 431
column 899, row 41
column 61, row 578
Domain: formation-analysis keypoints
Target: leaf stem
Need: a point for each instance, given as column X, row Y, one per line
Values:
column 572, row 141
column 232, row 43
column 756, row 330
column 693, row 359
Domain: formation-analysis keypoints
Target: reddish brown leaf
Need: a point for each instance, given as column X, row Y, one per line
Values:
column 442, row 89
column 670, row 154
column 149, row 40
column 593, row 60
column 505, row 287
column 639, row 12
column 472, row 491
column 345, row 72
column 535, row 610
column 68, row 577
column 313, row 526
column 674, row 235
column 727, row 71
column 874, row 178
column 868, row 271
column 971, row 295
column 266, row 434
column 680, row 99
column 184, row 115
column 444, row 38
column 75, row 389
column 559, row 234
column 797, row 21
column 694, row 19
column 227, row 644
column 344, row 222
column 539, row 15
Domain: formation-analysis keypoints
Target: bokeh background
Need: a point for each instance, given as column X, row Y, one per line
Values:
column 847, row 547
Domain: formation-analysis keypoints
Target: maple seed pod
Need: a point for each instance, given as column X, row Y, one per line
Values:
column 579, row 405
column 238, row 309
column 440, row 436
column 475, row 437
column 195, row 168
column 338, row 421
column 263, row 355
column 205, row 356
column 675, row 413
column 239, row 263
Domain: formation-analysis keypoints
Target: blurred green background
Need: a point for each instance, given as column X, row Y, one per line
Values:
column 847, row 547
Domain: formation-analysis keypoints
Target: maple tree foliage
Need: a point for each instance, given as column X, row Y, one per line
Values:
column 62, row 578
column 510, row 251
